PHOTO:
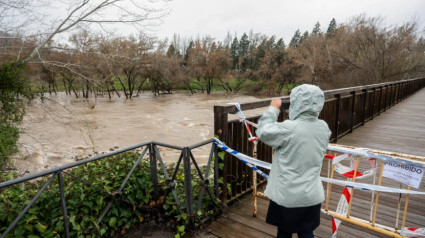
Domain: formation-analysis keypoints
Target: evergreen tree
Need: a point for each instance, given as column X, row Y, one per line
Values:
column 280, row 44
column 243, row 52
column 189, row 48
column 280, row 51
column 243, row 45
column 234, row 52
column 271, row 43
column 295, row 41
column 304, row 36
column 332, row 26
column 173, row 51
column 316, row 30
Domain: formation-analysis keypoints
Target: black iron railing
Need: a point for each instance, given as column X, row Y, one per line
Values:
column 186, row 157
column 344, row 110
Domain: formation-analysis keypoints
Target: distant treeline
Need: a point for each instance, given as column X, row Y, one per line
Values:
column 362, row 51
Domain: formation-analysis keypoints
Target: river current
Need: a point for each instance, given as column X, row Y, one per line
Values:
column 63, row 129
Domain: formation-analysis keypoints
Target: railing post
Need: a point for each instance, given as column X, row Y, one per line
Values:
column 388, row 97
column 394, row 95
column 154, row 171
column 188, row 185
column 364, row 106
column 405, row 86
column 216, row 185
column 406, row 90
column 373, row 103
column 380, row 101
column 397, row 92
column 353, row 111
column 338, row 105
column 221, row 130
column 63, row 205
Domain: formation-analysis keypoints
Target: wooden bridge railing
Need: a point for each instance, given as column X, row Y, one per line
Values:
column 344, row 110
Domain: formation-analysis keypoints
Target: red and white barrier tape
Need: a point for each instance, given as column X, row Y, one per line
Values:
column 412, row 232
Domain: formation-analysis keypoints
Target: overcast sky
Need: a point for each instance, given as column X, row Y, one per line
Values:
column 192, row 18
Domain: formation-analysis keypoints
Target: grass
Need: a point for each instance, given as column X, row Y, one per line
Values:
column 247, row 87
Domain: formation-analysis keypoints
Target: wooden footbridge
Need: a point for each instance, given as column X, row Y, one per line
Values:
column 375, row 117
column 387, row 116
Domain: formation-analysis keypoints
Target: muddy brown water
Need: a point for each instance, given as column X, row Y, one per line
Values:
column 63, row 129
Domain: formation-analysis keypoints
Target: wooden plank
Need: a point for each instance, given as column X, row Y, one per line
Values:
column 234, row 228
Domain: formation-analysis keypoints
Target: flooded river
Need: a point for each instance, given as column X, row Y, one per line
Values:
column 63, row 129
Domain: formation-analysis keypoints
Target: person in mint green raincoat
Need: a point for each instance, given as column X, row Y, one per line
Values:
column 294, row 186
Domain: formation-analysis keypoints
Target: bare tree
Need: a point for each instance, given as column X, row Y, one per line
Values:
column 102, row 12
column 17, row 14
column 127, row 59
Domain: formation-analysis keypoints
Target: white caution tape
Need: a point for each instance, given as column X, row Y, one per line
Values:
column 340, row 158
column 365, row 153
column 348, row 172
column 238, row 107
column 266, row 165
column 245, row 122
column 412, row 232
column 370, row 187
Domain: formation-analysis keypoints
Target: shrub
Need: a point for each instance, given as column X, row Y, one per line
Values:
column 88, row 190
column 14, row 88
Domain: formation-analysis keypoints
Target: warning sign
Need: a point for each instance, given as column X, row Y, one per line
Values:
column 404, row 173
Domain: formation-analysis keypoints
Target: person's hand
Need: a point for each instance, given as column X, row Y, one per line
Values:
column 276, row 102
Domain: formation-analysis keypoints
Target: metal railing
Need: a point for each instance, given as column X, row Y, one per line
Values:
column 344, row 110
column 186, row 157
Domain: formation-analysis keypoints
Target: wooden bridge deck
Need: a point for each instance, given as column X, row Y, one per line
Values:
column 400, row 129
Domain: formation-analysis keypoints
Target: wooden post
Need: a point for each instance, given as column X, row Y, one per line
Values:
column 364, row 106
column 406, row 202
column 373, row 103
column 338, row 105
column 380, row 101
column 377, row 194
column 254, row 193
column 330, row 186
column 221, row 130
column 353, row 111
column 254, row 182
column 398, row 208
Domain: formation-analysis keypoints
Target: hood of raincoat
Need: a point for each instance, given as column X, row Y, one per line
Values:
column 306, row 102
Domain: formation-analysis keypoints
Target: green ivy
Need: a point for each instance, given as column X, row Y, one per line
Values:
column 14, row 88
column 85, row 203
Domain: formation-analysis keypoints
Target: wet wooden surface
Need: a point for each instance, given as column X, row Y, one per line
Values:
column 400, row 129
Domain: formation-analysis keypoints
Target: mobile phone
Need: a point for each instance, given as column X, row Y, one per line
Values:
column 284, row 106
